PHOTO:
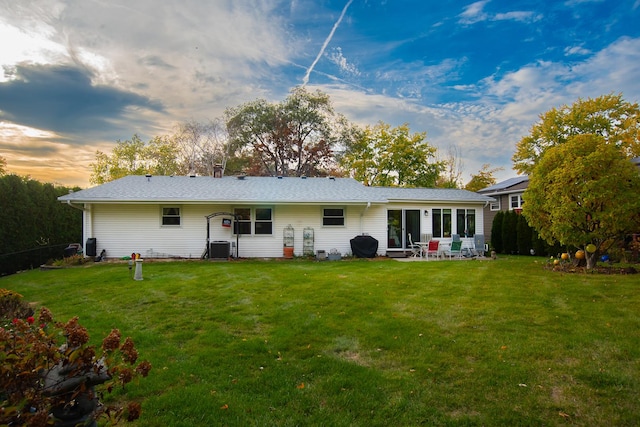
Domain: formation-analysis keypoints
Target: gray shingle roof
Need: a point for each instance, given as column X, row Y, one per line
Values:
column 503, row 185
column 430, row 194
column 201, row 189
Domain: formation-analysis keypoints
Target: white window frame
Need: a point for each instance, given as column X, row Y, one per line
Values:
column 252, row 221
column 519, row 200
column 495, row 206
column 262, row 221
column 467, row 213
column 343, row 216
column 444, row 232
column 167, row 215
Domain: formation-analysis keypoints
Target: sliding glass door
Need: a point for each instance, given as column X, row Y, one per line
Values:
column 401, row 223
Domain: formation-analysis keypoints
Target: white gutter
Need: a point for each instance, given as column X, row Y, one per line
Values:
column 83, row 209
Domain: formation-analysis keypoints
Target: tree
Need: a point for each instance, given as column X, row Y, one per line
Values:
column 35, row 225
column 524, row 238
column 134, row 157
column 451, row 171
column 202, row 146
column 608, row 116
column 160, row 156
column 295, row 137
column 385, row 156
column 3, row 165
column 510, row 232
column 483, row 179
column 583, row 192
column 496, row 232
column 127, row 158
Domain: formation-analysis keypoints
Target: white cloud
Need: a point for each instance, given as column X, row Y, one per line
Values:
column 521, row 16
column 474, row 13
column 223, row 50
column 345, row 66
column 576, row 50
column 487, row 130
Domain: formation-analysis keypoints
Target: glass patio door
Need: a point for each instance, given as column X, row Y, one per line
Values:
column 401, row 222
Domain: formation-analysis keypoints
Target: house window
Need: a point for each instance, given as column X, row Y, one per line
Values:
column 260, row 220
column 516, row 201
column 495, row 206
column 333, row 216
column 242, row 224
column 264, row 221
column 171, row 216
column 466, row 222
column 441, row 222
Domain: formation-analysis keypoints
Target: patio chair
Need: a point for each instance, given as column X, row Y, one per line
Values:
column 432, row 249
column 455, row 249
column 416, row 249
column 479, row 247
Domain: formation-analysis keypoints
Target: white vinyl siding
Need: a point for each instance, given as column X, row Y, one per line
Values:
column 121, row 229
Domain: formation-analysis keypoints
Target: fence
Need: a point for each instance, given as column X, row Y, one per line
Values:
column 13, row 262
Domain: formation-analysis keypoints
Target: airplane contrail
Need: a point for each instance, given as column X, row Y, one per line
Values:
column 305, row 79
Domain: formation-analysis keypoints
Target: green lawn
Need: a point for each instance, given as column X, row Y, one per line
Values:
column 362, row 342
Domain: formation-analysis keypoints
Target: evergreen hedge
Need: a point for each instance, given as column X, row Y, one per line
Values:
column 34, row 225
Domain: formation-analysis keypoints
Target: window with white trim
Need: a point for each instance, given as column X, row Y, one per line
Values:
column 516, row 201
column 256, row 221
column 466, row 222
column 242, row 223
column 333, row 217
column 171, row 216
column 264, row 221
column 441, row 222
column 495, row 206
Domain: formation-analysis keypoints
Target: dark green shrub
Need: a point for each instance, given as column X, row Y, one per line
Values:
column 510, row 233
column 496, row 232
column 524, row 236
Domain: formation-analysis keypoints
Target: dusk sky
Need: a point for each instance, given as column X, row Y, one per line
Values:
column 78, row 75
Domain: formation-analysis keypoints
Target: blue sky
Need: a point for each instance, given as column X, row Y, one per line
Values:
column 78, row 75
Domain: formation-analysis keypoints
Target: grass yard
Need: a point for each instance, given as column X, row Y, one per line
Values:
column 364, row 342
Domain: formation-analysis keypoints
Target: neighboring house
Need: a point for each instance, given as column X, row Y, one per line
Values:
column 172, row 216
column 507, row 196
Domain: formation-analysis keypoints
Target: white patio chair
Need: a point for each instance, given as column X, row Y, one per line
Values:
column 416, row 249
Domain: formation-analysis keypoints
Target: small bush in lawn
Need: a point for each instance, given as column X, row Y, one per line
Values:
column 49, row 373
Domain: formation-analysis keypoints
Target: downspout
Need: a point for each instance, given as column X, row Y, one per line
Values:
column 84, row 212
column 362, row 215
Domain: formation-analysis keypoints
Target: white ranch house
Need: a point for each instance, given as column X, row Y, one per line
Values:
column 168, row 216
